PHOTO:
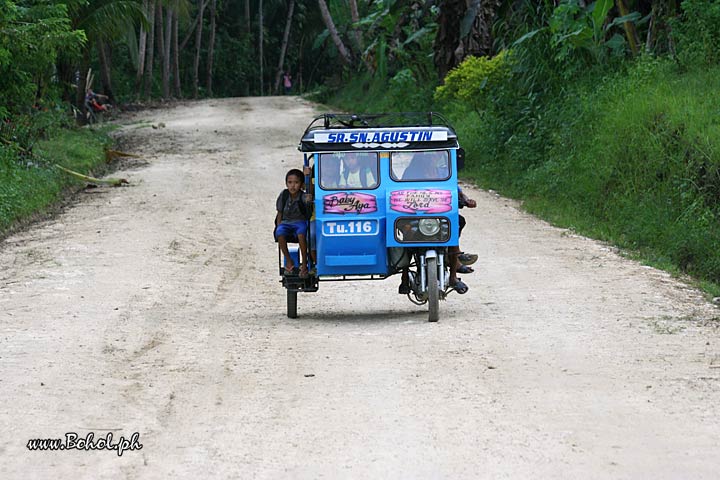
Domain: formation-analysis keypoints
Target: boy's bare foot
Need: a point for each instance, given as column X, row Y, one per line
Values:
column 289, row 268
column 303, row 271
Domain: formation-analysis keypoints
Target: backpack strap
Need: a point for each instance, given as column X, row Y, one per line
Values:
column 303, row 207
column 283, row 201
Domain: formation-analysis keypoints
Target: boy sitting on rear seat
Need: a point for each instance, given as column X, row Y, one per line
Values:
column 291, row 220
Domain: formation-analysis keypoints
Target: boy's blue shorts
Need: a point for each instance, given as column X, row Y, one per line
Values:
column 291, row 229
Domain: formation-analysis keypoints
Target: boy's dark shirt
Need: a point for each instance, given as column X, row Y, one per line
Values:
column 291, row 213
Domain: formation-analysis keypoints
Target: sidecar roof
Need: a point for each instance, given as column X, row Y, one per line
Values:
column 332, row 132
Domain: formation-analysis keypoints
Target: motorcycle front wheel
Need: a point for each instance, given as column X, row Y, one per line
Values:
column 433, row 290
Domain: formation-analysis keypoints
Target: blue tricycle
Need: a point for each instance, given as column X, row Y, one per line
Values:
column 384, row 191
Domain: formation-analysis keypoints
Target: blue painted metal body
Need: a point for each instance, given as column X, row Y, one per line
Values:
column 355, row 227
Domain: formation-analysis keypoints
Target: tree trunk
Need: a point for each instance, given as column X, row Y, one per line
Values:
column 650, row 39
column 142, row 46
column 260, row 43
column 160, row 32
column 150, row 50
column 169, row 14
column 198, row 44
column 464, row 29
column 66, row 72
column 320, row 55
column 283, row 47
column 344, row 54
column 248, row 30
column 82, row 85
column 176, row 51
column 105, row 75
column 247, row 16
column 211, row 48
column 658, row 33
column 630, row 32
column 299, row 76
column 191, row 30
column 355, row 15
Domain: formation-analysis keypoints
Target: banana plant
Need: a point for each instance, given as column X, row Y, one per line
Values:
column 102, row 20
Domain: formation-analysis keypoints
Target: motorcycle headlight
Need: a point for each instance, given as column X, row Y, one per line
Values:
column 419, row 230
column 429, row 226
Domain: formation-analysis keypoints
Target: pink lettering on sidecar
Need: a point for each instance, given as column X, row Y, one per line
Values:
column 428, row 201
column 348, row 202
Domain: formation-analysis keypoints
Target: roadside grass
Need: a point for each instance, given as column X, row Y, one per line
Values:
column 364, row 93
column 31, row 185
column 643, row 171
column 632, row 159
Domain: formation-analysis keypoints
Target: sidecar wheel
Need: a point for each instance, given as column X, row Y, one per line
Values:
column 291, row 304
column 433, row 290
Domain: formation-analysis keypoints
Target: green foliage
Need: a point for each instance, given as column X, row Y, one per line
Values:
column 633, row 158
column 29, row 184
column 578, row 38
column 106, row 19
column 697, row 33
column 24, row 187
column 32, row 33
column 408, row 92
column 397, row 70
column 475, row 81
column 363, row 93
column 233, row 69
column 629, row 153
column 397, row 37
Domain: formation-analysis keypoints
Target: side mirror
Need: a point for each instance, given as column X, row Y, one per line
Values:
column 460, row 158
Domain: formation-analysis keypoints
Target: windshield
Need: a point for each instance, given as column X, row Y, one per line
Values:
column 420, row 166
column 348, row 170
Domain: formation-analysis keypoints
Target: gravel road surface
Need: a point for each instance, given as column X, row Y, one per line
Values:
column 156, row 309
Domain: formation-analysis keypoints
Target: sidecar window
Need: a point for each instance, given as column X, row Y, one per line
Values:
column 420, row 166
column 348, row 170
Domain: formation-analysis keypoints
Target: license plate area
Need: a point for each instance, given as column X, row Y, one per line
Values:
column 338, row 228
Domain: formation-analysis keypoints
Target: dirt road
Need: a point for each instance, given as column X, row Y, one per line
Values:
column 156, row 309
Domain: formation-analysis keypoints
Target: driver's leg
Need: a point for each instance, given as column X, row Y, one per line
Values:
column 453, row 254
column 404, row 287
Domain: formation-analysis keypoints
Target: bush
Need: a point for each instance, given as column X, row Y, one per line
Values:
column 477, row 81
column 405, row 93
column 30, row 184
column 697, row 33
column 632, row 157
column 640, row 167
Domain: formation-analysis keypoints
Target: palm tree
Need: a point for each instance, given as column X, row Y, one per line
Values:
column 102, row 20
column 176, row 50
column 211, row 48
column 327, row 18
column 283, row 47
column 142, row 51
column 355, row 15
column 260, row 43
column 152, row 7
column 165, row 36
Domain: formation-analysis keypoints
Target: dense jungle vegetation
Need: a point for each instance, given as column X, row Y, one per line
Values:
column 602, row 116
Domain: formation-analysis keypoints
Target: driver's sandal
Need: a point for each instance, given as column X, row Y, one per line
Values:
column 460, row 287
